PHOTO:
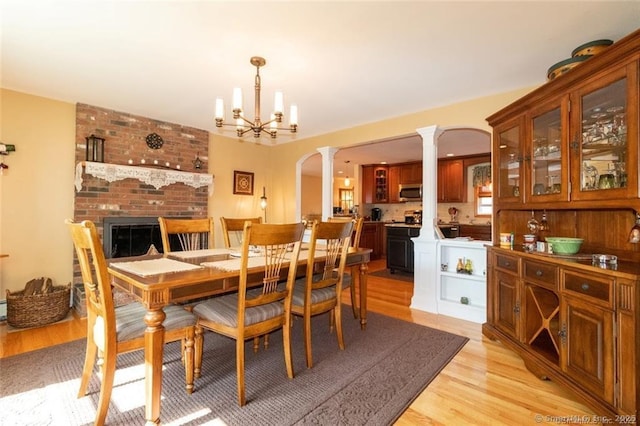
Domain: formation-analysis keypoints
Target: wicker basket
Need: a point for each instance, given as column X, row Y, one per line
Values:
column 38, row 309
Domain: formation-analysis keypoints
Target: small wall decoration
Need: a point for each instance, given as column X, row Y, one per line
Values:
column 242, row 183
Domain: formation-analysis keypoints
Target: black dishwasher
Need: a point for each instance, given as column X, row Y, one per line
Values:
column 400, row 247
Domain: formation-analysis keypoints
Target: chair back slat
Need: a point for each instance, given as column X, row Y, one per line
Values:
column 233, row 228
column 357, row 228
column 192, row 234
column 280, row 248
column 336, row 236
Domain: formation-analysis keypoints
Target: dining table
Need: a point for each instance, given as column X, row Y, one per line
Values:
column 179, row 277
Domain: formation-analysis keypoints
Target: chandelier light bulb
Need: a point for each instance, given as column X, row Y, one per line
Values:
column 278, row 104
column 219, row 109
column 237, row 98
column 347, row 181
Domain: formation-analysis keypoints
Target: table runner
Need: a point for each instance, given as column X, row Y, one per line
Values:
column 255, row 260
column 190, row 254
column 145, row 268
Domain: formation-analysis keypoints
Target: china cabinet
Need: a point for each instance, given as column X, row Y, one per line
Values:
column 575, row 147
column 562, row 316
column 568, row 152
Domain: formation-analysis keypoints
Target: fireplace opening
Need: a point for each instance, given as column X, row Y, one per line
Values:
column 133, row 236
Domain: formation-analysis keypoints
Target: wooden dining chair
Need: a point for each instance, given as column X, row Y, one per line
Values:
column 353, row 271
column 232, row 229
column 319, row 292
column 115, row 330
column 254, row 312
column 192, row 234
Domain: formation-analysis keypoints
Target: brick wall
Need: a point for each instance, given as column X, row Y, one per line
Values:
column 125, row 139
column 125, row 136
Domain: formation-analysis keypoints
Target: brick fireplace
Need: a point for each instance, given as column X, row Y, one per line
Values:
column 126, row 144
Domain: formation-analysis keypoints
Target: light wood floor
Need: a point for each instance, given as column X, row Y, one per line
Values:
column 485, row 384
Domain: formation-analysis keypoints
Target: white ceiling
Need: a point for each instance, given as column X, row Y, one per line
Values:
column 343, row 63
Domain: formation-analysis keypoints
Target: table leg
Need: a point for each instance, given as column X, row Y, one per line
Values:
column 153, row 347
column 364, row 271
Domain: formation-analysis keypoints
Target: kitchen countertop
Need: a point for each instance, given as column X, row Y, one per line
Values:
column 403, row 225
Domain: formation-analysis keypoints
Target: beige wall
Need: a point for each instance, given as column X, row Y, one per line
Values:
column 468, row 114
column 227, row 155
column 311, row 197
column 36, row 194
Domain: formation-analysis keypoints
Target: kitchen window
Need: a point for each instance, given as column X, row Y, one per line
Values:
column 483, row 201
column 346, row 199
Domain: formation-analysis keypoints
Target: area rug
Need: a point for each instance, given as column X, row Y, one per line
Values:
column 397, row 275
column 380, row 372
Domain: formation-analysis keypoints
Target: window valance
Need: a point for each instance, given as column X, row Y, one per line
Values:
column 481, row 175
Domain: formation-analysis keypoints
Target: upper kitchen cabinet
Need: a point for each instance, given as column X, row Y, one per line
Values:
column 411, row 172
column 451, row 181
column 375, row 184
column 381, row 183
column 394, row 183
column 573, row 140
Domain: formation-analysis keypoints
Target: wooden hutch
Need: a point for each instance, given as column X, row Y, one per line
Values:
column 569, row 149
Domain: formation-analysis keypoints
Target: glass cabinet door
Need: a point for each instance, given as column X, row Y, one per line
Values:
column 381, row 184
column 548, row 170
column 603, row 144
column 508, row 146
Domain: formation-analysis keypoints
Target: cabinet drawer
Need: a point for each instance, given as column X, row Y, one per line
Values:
column 592, row 287
column 506, row 262
column 541, row 273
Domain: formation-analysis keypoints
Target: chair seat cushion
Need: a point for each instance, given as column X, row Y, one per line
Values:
column 130, row 321
column 317, row 296
column 224, row 310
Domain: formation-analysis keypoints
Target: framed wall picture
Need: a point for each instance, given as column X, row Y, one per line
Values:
column 242, row 183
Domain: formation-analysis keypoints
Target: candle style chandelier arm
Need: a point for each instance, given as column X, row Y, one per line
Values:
column 257, row 126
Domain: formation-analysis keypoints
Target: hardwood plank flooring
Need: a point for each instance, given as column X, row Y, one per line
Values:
column 485, row 384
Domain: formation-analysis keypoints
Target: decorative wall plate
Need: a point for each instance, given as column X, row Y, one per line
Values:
column 154, row 141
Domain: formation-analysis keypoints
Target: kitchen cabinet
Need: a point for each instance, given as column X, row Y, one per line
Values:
column 394, row 184
column 381, row 184
column 372, row 237
column 562, row 316
column 451, row 181
column 572, row 142
column 375, row 184
column 400, row 247
column 411, row 172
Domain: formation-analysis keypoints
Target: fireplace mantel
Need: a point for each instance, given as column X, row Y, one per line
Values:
column 148, row 175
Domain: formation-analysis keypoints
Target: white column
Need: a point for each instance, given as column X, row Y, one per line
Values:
column 327, row 153
column 426, row 245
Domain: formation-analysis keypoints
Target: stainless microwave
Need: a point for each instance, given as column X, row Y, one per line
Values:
column 410, row 192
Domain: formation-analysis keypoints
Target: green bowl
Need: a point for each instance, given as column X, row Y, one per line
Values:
column 565, row 245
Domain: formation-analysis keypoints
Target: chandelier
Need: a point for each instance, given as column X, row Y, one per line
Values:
column 257, row 126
